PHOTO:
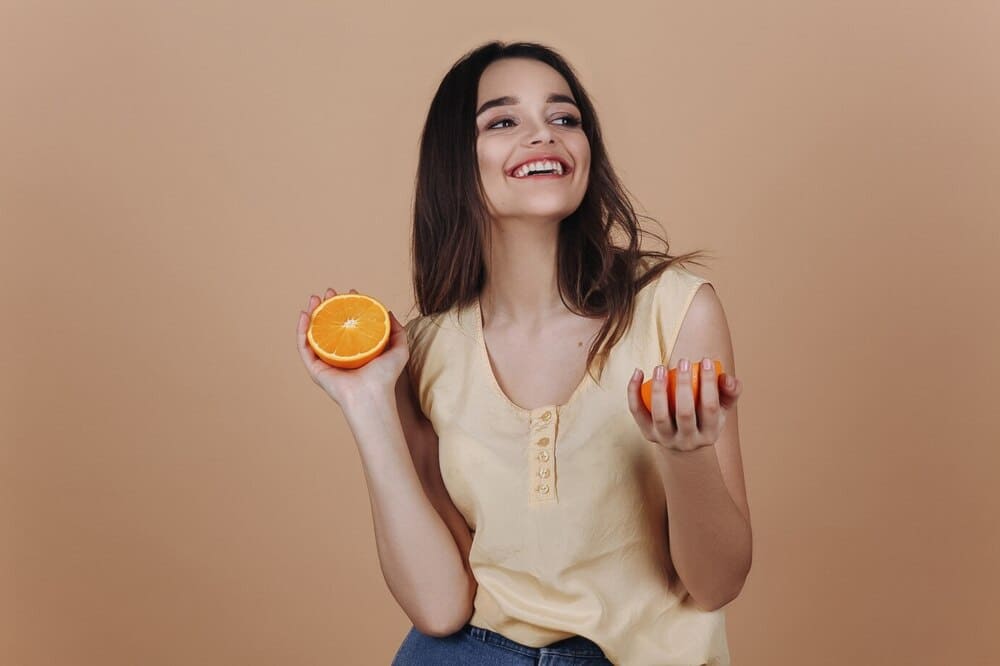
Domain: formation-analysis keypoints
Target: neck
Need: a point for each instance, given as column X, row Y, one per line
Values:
column 521, row 288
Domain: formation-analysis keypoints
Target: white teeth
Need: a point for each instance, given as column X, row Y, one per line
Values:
column 538, row 166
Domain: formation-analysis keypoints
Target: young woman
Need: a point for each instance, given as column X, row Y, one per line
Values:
column 527, row 509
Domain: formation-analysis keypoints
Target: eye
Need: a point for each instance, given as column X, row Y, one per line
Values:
column 571, row 121
column 502, row 120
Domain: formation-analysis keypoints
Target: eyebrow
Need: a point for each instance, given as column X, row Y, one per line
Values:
column 508, row 100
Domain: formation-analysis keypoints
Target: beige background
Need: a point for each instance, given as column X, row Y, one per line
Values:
column 176, row 179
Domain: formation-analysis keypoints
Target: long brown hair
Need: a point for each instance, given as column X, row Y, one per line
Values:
column 451, row 225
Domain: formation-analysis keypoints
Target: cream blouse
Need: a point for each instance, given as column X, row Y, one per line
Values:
column 565, row 502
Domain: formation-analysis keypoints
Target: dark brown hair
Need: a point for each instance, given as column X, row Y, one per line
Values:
column 451, row 224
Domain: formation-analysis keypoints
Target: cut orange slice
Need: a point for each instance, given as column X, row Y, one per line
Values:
column 348, row 330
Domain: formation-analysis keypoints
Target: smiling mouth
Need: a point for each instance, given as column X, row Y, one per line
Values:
column 558, row 168
column 544, row 174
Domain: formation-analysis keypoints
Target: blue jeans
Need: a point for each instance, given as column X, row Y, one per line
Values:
column 476, row 646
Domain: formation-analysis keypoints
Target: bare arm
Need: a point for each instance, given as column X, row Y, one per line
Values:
column 423, row 541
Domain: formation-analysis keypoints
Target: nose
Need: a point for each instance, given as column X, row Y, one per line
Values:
column 539, row 133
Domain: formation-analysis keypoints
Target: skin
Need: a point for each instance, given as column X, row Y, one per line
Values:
column 520, row 290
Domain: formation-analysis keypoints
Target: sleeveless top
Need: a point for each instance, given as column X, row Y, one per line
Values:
column 565, row 502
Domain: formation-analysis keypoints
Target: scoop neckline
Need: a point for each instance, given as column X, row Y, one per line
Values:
column 484, row 354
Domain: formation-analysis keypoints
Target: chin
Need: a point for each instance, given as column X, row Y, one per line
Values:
column 557, row 215
column 541, row 207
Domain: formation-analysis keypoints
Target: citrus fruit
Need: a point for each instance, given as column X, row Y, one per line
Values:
column 348, row 330
column 647, row 386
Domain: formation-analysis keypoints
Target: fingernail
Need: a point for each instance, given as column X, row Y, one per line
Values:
column 658, row 372
column 730, row 383
column 684, row 365
column 706, row 363
column 635, row 375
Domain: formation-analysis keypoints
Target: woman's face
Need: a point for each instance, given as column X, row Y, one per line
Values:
column 524, row 129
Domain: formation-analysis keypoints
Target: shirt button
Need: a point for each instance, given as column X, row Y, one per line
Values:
column 543, row 489
column 546, row 416
column 544, row 473
column 544, row 441
column 543, row 455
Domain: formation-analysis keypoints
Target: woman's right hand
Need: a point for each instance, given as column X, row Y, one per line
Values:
column 377, row 377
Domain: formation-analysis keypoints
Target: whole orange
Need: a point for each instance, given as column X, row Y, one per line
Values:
column 647, row 386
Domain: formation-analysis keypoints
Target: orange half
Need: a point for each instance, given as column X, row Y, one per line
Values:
column 348, row 330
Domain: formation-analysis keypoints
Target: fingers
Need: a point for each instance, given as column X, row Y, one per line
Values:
column 735, row 389
column 729, row 396
column 708, row 409
column 330, row 293
column 635, row 405
column 394, row 325
column 314, row 301
column 661, row 418
column 691, row 425
column 684, row 400
column 305, row 351
column 304, row 316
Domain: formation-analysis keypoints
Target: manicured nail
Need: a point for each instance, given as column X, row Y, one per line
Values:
column 659, row 372
column 706, row 363
column 684, row 365
column 635, row 375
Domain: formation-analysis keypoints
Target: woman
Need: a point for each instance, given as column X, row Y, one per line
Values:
column 524, row 507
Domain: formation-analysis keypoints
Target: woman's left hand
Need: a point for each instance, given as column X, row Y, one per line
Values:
column 693, row 427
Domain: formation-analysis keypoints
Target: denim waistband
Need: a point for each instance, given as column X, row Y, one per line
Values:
column 574, row 646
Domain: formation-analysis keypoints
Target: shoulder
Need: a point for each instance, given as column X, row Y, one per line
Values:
column 429, row 336
column 674, row 288
column 705, row 322
column 421, row 327
column 683, row 306
column 704, row 330
column 680, row 277
column 650, row 271
column 701, row 299
column 413, row 327
column 416, row 337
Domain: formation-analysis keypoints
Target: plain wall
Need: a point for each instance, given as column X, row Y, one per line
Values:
column 176, row 179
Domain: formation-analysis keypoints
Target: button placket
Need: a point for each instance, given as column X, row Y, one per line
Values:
column 541, row 452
